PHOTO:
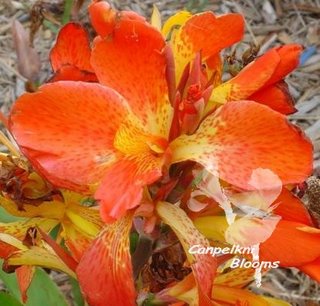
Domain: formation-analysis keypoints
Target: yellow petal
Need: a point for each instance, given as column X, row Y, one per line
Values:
column 212, row 227
column 175, row 21
column 86, row 219
column 18, row 229
column 52, row 209
column 156, row 18
column 238, row 277
column 275, row 302
column 236, row 296
column 37, row 256
column 76, row 241
column 203, row 265
column 12, row 241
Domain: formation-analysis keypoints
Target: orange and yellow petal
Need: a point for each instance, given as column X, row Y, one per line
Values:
column 76, row 241
column 39, row 256
column 249, row 80
column 206, row 33
column 105, row 270
column 243, row 136
column 174, row 21
column 47, row 209
column 122, row 186
column 133, row 62
column 69, row 138
column 236, row 296
column 277, row 97
column 203, row 265
column 235, row 278
column 72, row 48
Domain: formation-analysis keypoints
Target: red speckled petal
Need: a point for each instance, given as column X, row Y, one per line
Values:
column 122, row 187
column 291, row 208
column 67, row 130
column 206, row 33
column 203, row 265
column 289, row 60
column 276, row 97
column 243, row 136
column 131, row 61
column 248, row 81
column 72, row 48
column 291, row 245
column 105, row 271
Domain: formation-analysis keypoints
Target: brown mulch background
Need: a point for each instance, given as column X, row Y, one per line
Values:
column 268, row 23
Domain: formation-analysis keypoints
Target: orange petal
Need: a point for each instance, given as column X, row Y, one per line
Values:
column 243, row 136
column 73, row 73
column 72, row 48
column 24, row 278
column 249, row 80
column 69, row 139
column 104, row 19
column 105, row 270
column 132, row 61
column 203, row 265
column 277, row 97
column 76, row 242
column 291, row 245
column 122, row 187
column 312, row 269
column 291, row 208
column 289, row 60
column 206, row 33
column 236, row 278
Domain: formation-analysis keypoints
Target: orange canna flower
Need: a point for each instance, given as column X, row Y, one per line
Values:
column 151, row 109
column 115, row 138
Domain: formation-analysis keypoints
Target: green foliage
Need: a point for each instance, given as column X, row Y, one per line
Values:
column 7, row 300
column 5, row 217
column 76, row 293
column 42, row 291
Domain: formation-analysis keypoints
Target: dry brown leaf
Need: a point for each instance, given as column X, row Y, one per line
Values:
column 28, row 59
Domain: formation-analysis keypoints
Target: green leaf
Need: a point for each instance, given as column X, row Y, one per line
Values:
column 76, row 293
column 6, row 217
column 134, row 238
column 8, row 300
column 42, row 291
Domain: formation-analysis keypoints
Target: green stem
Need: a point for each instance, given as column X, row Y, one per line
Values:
column 67, row 11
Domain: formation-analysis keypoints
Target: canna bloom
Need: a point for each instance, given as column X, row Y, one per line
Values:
column 114, row 137
column 126, row 119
